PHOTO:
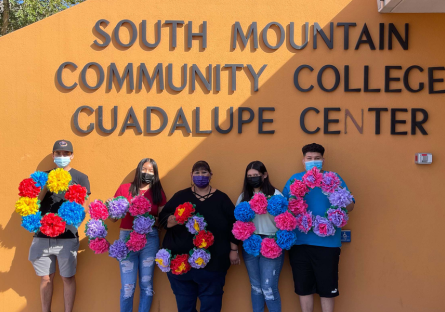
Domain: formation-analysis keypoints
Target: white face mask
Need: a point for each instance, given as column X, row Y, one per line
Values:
column 62, row 161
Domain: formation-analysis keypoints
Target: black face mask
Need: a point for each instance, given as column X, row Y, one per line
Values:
column 147, row 178
column 254, row 182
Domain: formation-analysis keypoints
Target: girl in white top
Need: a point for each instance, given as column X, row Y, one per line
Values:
column 263, row 272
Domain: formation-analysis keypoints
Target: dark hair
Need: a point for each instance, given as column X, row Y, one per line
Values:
column 267, row 188
column 201, row 164
column 313, row 148
column 156, row 187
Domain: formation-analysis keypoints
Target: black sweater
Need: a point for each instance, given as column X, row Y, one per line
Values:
column 218, row 212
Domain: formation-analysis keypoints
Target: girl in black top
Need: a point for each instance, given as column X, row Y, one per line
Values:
column 218, row 212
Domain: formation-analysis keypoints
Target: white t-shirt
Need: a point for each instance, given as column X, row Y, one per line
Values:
column 264, row 224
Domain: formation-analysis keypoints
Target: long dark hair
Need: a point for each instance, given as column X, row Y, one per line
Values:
column 155, row 187
column 267, row 188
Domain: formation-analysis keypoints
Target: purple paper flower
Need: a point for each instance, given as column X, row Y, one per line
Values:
column 95, row 229
column 196, row 224
column 143, row 225
column 341, row 198
column 118, row 207
column 118, row 250
column 162, row 259
column 199, row 258
column 323, row 227
column 338, row 217
column 311, row 179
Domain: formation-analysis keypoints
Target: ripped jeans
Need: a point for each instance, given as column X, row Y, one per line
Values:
column 264, row 274
column 142, row 262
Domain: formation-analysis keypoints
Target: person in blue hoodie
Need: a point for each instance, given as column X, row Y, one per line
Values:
column 314, row 259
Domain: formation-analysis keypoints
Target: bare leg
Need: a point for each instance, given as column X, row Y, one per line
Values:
column 46, row 291
column 307, row 303
column 69, row 292
column 327, row 304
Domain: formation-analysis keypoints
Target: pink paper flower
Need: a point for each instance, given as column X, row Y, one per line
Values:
column 304, row 222
column 330, row 182
column 258, row 203
column 286, row 221
column 313, row 178
column 139, row 206
column 99, row 245
column 243, row 230
column 297, row 206
column 298, row 189
column 98, row 210
column 137, row 241
column 270, row 249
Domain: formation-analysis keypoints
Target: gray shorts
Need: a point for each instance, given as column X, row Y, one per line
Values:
column 44, row 252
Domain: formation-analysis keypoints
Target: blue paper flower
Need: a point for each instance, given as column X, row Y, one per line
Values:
column 40, row 178
column 72, row 213
column 277, row 205
column 252, row 245
column 286, row 239
column 243, row 212
column 32, row 222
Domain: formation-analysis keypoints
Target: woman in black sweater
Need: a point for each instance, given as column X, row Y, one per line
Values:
column 218, row 211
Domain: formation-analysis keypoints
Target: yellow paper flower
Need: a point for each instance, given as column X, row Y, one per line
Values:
column 196, row 226
column 26, row 206
column 58, row 180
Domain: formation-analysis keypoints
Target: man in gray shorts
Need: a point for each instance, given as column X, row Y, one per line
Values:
column 45, row 250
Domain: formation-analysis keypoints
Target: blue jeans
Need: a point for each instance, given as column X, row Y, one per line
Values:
column 264, row 274
column 198, row 283
column 144, row 261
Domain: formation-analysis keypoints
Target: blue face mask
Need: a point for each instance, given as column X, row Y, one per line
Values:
column 314, row 163
column 62, row 161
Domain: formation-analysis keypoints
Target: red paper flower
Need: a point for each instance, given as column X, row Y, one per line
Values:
column 180, row 265
column 183, row 212
column 99, row 245
column 137, row 241
column 98, row 210
column 28, row 188
column 203, row 239
column 76, row 193
column 52, row 225
column 139, row 206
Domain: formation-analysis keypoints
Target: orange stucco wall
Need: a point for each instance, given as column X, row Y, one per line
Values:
column 394, row 262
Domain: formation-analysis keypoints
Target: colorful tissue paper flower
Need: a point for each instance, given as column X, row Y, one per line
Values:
column 183, row 212
column 198, row 258
column 204, row 239
column 179, row 265
column 28, row 188
column 297, row 206
column 139, row 205
column 252, row 245
column 304, row 222
column 277, row 205
column 72, row 213
column 99, row 245
column 330, row 182
column 298, row 189
column 313, row 178
column 58, row 180
column 118, row 250
column 286, row 239
column 27, row 206
column 340, row 198
column 196, row 224
column 40, row 178
column 118, row 207
column 137, row 241
column 98, row 210
column 143, row 224
column 76, row 193
column 95, row 229
column 243, row 212
column 286, row 221
column 323, row 227
column 52, row 225
column 338, row 217
column 243, row 230
column 258, row 203
column 162, row 259
column 32, row 222
column 270, row 249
